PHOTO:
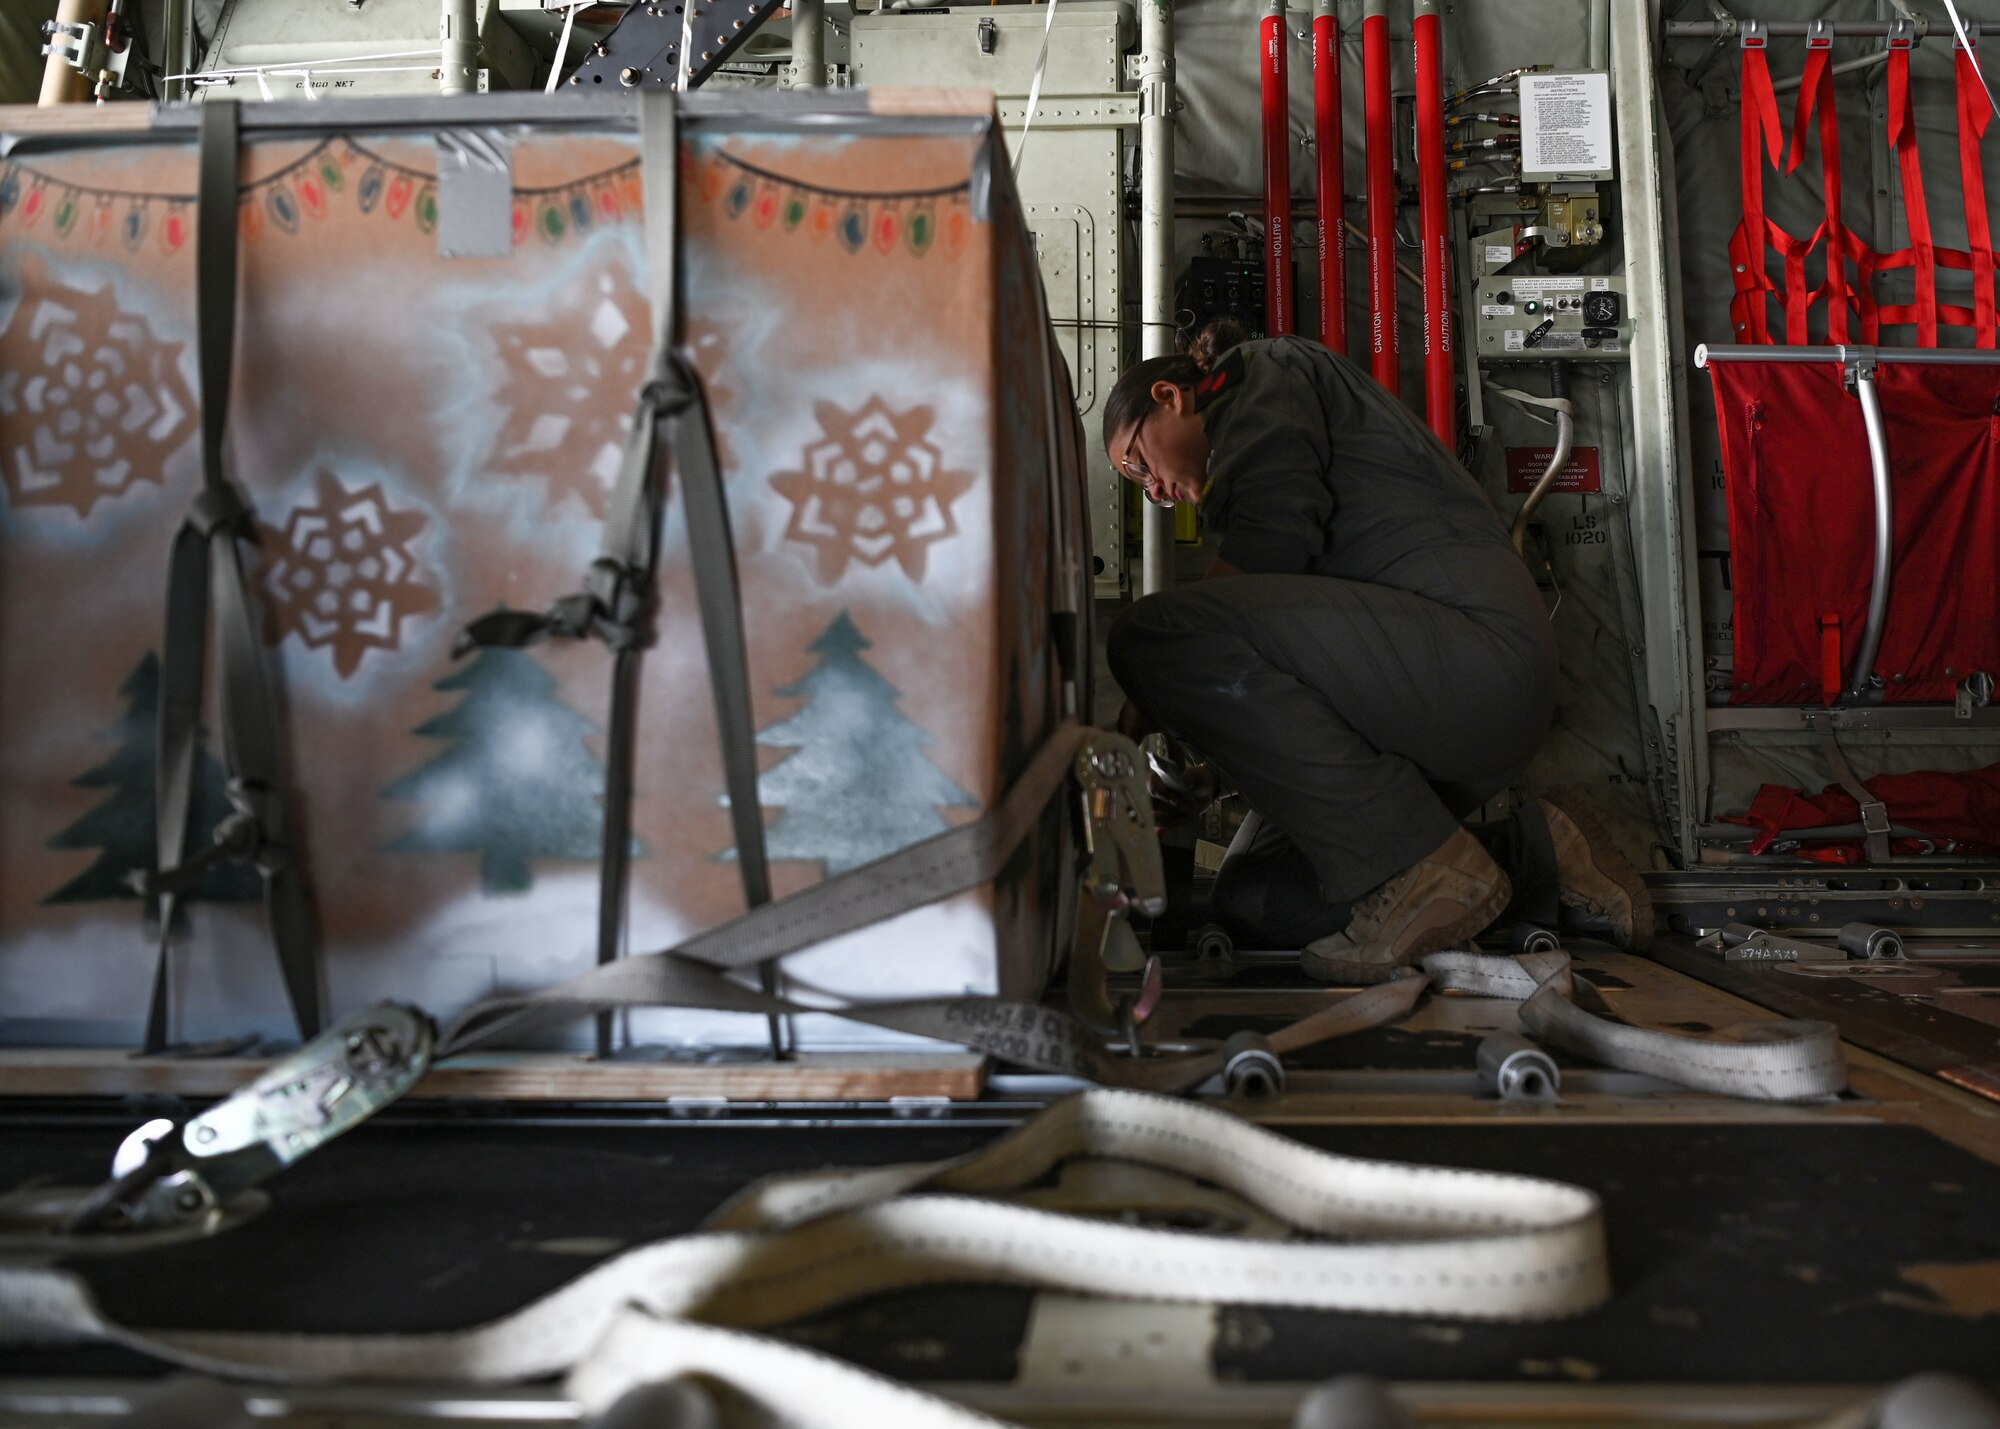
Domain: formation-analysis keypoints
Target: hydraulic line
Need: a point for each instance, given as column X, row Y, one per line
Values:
column 1277, row 174
column 1327, row 145
column 1440, row 373
column 1558, row 459
column 1384, row 351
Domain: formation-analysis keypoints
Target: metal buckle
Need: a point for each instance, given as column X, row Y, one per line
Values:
column 327, row 1087
column 1753, row 35
column 1902, row 34
column 1124, row 868
column 1819, row 35
column 1122, row 873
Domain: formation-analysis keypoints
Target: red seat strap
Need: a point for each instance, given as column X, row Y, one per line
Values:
column 1903, row 136
column 1816, row 93
column 1762, row 132
column 1974, row 113
column 1832, row 674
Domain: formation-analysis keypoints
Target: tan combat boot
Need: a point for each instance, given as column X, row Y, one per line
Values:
column 1601, row 893
column 1442, row 902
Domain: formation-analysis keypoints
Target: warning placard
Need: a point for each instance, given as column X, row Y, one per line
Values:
column 1525, row 466
column 1565, row 126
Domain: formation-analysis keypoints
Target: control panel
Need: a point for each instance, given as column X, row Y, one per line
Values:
column 1575, row 316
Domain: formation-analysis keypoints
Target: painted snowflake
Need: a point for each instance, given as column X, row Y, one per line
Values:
column 91, row 399
column 570, row 377
column 871, row 489
column 341, row 574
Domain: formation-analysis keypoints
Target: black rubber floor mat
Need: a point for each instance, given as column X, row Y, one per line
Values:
column 1791, row 1253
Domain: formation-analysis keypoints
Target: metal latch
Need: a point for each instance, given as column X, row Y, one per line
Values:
column 1741, row 943
column 1124, row 851
column 1122, row 874
column 100, row 52
column 167, row 1175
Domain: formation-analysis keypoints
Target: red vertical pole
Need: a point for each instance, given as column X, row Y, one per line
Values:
column 1327, row 144
column 1440, row 373
column 1277, row 174
column 1381, row 193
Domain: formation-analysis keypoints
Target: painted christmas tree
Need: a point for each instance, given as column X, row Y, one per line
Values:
column 518, row 782
column 121, row 828
column 860, row 785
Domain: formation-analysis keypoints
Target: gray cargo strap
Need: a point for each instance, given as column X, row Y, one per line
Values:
column 1771, row 1060
column 619, row 590
column 952, row 862
column 1370, row 1236
column 1875, row 823
column 1768, row 1060
column 205, row 572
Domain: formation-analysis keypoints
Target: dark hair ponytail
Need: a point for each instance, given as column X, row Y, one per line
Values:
column 1214, row 339
column 1132, row 396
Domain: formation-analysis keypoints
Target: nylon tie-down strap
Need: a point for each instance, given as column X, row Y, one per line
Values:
column 206, row 573
column 619, row 591
column 1875, row 824
column 1369, row 1236
column 1757, row 234
column 1816, row 93
column 1780, row 1061
column 1975, row 112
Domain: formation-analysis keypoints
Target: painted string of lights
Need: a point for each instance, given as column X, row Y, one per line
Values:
column 307, row 188
column 912, row 220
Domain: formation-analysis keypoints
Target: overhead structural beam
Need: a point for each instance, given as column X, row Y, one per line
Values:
column 809, row 44
column 1156, row 246
column 458, row 40
column 1779, row 29
column 646, row 49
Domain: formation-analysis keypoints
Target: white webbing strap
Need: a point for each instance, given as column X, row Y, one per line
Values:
column 1376, row 1237
column 1768, row 1060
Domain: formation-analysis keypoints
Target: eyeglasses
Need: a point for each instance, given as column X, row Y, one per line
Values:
column 1135, row 467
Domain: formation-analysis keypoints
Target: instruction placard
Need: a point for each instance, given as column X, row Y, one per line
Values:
column 1565, row 127
column 1581, row 475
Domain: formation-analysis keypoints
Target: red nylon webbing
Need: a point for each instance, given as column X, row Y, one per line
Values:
column 1762, row 133
column 1903, row 137
column 1974, row 112
column 1849, row 298
column 1816, row 93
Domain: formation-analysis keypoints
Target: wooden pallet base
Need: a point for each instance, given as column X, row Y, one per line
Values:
column 524, row 1076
